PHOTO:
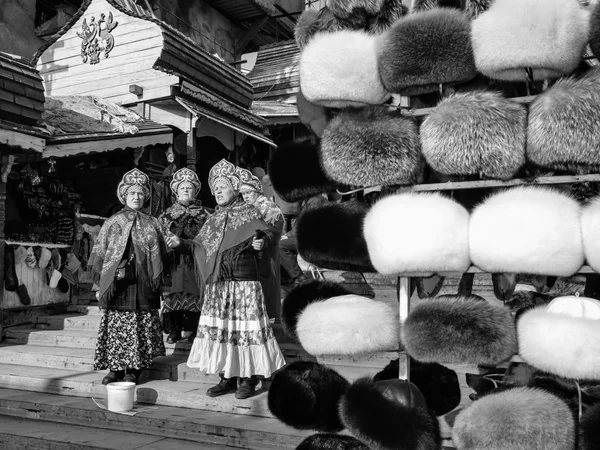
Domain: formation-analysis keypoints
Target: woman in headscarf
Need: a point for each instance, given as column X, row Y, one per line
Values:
column 235, row 338
column 182, row 302
column 127, row 265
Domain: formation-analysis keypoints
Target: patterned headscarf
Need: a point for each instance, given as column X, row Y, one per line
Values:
column 135, row 179
column 185, row 176
column 248, row 182
column 223, row 171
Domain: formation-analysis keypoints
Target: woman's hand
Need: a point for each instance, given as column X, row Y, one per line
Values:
column 172, row 241
column 258, row 244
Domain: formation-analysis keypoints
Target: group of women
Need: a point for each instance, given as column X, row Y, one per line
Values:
column 217, row 272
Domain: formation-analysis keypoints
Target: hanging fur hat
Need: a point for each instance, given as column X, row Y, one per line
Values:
column 372, row 146
column 459, row 330
column 472, row 7
column 562, row 132
column 306, row 26
column 389, row 415
column 305, row 395
column 343, row 8
column 339, row 69
column 517, row 419
column 315, row 117
column 589, row 429
column 303, row 295
column 296, row 173
column 424, row 50
column 556, row 33
column 415, row 232
column 476, row 133
column 331, row 237
column 331, row 441
column 594, row 39
column 563, row 337
column 590, row 232
column 527, row 229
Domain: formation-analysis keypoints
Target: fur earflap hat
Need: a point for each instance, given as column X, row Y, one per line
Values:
column 296, row 173
column 331, row 237
column 527, row 229
column 589, row 429
column 555, row 33
column 372, row 146
column 306, row 395
column 389, row 415
column 563, row 337
column 331, row 441
column 594, row 39
column 459, row 330
column 315, row 117
column 472, row 7
column 590, row 232
column 517, row 419
column 303, row 295
column 562, row 130
column 424, row 50
column 476, row 133
column 434, row 240
column 339, row 69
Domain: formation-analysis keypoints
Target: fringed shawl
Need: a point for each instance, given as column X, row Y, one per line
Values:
column 270, row 212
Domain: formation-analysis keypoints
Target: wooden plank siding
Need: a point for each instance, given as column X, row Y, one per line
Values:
column 276, row 72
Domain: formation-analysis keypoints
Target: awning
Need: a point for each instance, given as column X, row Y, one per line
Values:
column 21, row 137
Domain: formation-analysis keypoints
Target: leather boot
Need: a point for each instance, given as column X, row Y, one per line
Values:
column 190, row 323
column 133, row 375
column 247, row 388
column 175, row 319
column 11, row 281
column 112, row 376
column 225, row 386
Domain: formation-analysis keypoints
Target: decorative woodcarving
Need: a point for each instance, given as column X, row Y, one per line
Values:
column 96, row 38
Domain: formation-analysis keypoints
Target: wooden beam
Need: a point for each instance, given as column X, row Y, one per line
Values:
column 243, row 42
column 284, row 13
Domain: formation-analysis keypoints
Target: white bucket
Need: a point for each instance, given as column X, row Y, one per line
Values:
column 120, row 396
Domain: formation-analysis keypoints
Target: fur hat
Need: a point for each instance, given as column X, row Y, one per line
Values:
column 296, row 173
column 459, row 330
column 306, row 26
column 594, row 39
column 556, row 33
column 472, row 7
column 476, row 133
column 563, row 337
column 434, row 240
column 589, row 429
column 306, row 394
column 389, row 415
column 562, row 132
column 527, row 229
column 372, row 146
column 348, row 325
column 590, row 232
column 331, row 441
column 315, row 117
column 303, row 295
column 339, row 69
column 423, row 50
column 517, row 419
column 343, row 8
column 331, row 237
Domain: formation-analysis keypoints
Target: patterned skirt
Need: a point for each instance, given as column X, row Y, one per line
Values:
column 181, row 301
column 128, row 339
column 234, row 334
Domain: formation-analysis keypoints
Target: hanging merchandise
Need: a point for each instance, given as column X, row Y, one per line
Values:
column 11, row 282
column 322, row 441
column 594, row 39
column 31, row 260
column 315, row 117
column 44, row 259
column 590, row 232
column 472, row 7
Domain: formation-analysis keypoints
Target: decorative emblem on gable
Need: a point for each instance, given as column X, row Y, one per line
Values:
column 97, row 38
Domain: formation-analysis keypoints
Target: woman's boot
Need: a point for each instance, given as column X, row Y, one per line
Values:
column 247, row 388
column 225, row 386
column 10, row 274
column 112, row 376
column 175, row 319
column 133, row 375
column 190, row 323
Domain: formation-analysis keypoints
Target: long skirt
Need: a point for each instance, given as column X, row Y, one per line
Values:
column 128, row 339
column 234, row 334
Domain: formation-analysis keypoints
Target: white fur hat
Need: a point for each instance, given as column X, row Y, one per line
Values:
column 548, row 36
column 416, row 232
column 527, row 230
column 590, row 232
column 563, row 337
column 339, row 69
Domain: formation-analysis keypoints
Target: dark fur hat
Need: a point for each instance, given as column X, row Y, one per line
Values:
column 389, row 13
column 595, row 31
column 589, row 429
column 476, row 133
column 372, row 146
column 315, row 117
column 306, row 26
column 425, row 49
column 305, row 395
column 459, row 330
column 563, row 125
column 330, row 441
column 472, row 7
column 301, row 296
column 296, row 173
column 342, row 8
column 389, row 415
column 331, row 237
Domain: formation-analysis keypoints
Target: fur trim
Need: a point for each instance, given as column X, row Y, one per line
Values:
column 329, row 441
column 343, row 8
column 594, row 39
column 391, row 11
column 306, row 27
column 459, row 330
column 589, row 429
column 561, row 344
column 423, row 50
column 556, row 33
column 389, row 415
column 436, row 240
column 476, row 133
column 331, row 237
column 372, row 146
column 563, row 125
column 348, row 325
column 296, row 174
column 302, row 296
column 306, row 394
column 339, row 69
column 472, row 7
column 527, row 229
column 313, row 116
column 516, row 419
column 590, row 232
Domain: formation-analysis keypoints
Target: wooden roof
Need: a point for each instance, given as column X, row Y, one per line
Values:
column 275, row 75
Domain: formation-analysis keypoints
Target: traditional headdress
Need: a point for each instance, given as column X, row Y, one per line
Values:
column 248, row 182
column 185, row 176
column 223, row 171
column 134, row 179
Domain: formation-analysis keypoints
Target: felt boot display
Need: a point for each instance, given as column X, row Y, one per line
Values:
column 44, row 259
column 23, row 294
column 20, row 255
column 54, row 279
column 31, row 260
column 10, row 274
